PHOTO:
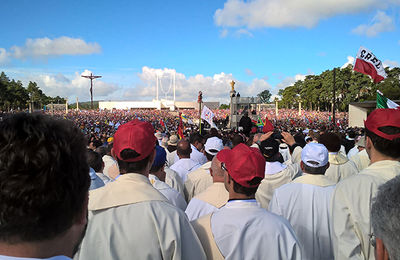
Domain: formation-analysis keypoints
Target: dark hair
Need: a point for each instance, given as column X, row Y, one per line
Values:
column 109, row 148
column 196, row 137
column 245, row 190
column 184, row 152
column 331, row 141
column 156, row 168
column 131, row 167
column 94, row 160
column 315, row 170
column 209, row 157
column 97, row 143
column 385, row 146
column 102, row 150
column 237, row 139
column 44, row 177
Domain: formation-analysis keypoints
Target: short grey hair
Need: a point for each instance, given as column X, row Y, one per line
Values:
column 385, row 216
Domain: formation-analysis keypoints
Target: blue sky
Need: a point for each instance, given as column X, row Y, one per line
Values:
column 261, row 44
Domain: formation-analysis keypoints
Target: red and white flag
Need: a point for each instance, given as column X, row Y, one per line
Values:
column 367, row 63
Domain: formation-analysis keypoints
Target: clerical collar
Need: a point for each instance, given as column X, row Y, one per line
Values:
column 246, row 200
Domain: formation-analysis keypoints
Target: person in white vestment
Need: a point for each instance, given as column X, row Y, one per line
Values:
column 361, row 159
column 197, row 145
column 109, row 163
column 45, row 183
column 200, row 179
column 340, row 167
column 305, row 203
column 385, row 219
column 211, row 199
column 276, row 173
column 171, row 149
column 157, row 179
column 352, row 199
column 129, row 218
column 242, row 229
column 185, row 164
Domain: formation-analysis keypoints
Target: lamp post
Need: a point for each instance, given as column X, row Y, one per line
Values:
column 276, row 107
column 199, row 100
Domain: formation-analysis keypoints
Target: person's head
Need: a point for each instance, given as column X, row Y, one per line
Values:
column 95, row 161
column 212, row 147
column 102, row 150
column 172, row 143
column 197, row 141
column 44, row 180
column 157, row 168
column 331, row 141
column 382, row 130
column 216, row 171
column 270, row 149
column 385, row 219
column 314, row 159
column 134, row 147
column 183, row 149
column 237, row 139
column 244, row 169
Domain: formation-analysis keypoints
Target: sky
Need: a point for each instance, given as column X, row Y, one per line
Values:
column 203, row 45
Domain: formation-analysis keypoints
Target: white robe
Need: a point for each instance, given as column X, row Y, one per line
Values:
column 361, row 160
column 108, row 163
column 274, row 180
column 198, row 181
column 171, row 157
column 305, row 203
column 171, row 194
column 130, row 219
column 195, row 155
column 340, row 167
column 183, row 166
column 243, row 230
column 173, row 180
column 351, row 207
column 209, row 201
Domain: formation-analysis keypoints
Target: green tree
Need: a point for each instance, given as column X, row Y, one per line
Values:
column 264, row 96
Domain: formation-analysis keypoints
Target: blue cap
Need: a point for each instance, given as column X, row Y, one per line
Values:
column 161, row 156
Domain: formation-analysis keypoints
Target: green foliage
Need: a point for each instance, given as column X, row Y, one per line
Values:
column 85, row 105
column 264, row 96
column 224, row 106
column 316, row 91
column 13, row 95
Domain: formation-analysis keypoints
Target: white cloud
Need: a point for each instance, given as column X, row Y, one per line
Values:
column 289, row 81
column 214, row 88
column 242, row 32
column 390, row 63
column 293, row 13
column 224, row 33
column 72, row 86
column 45, row 47
column 4, row 56
column 380, row 23
column 249, row 72
column 350, row 60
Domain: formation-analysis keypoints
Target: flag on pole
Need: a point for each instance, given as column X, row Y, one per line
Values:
column 162, row 123
column 180, row 127
column 384, row 102
column 208, row 115
column 268, row 127
column 367, row 63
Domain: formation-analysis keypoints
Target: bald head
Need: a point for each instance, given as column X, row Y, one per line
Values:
column 183, row 149
column 216, row 171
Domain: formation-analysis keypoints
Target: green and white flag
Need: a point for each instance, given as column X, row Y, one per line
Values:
column 383, row 102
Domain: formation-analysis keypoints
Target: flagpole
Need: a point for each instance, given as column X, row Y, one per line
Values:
column 334, row 98
column 199, row 99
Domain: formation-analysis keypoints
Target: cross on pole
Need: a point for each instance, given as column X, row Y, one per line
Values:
column 91, row 77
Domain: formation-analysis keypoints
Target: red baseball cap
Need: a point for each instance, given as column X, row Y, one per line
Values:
column 136, row 135
column 243, row 163
column 383, row 117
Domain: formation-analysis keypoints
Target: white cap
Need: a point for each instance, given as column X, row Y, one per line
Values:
column 158, row 135
column 315, row 155
column 213, row 145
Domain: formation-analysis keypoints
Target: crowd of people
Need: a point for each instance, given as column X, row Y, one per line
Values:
column 123, row 185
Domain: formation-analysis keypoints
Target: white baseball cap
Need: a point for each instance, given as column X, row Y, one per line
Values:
column 315, row 155
column 213, row 145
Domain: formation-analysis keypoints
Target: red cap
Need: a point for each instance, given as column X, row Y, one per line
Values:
column 383, row 117
column 243, row 163
column 136, row 135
